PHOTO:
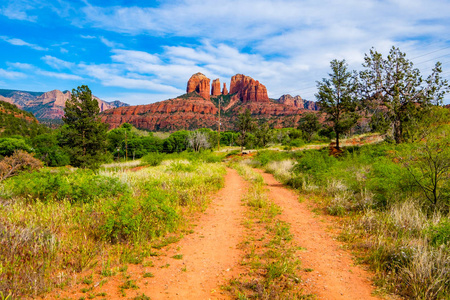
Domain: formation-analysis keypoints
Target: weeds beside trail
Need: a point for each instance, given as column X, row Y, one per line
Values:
column 270, row 252
column 395, row 202
column 55, row 224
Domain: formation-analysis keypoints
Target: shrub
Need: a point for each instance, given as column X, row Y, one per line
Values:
column 153, row 158
column 80, row 186
column 16, row 163
column 440, row 233
column 128, row 218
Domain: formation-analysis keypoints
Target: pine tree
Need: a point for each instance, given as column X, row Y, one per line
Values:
column 337, row 98
column 398, row 87
column 245, row 124
column 83, row 134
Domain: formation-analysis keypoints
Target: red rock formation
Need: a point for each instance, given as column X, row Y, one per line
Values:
column 224, row 90
column 298, row 102
column 199, row 83
column 248, row 89
column 215, row 89
column 174, row 114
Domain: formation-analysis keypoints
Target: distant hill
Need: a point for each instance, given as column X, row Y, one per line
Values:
column 14, row 121
column 47, row 105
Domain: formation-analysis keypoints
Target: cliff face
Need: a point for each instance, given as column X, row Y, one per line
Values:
column 49, row 105
column 170, row 115
column 248, row 89
column 199, row 83
column 298, row 102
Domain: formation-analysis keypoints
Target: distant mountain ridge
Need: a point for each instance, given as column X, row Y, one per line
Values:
column 47, row 105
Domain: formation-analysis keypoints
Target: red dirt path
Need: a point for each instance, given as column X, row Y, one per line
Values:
column 333, row 275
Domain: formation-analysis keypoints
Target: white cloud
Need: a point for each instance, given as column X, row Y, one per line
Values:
column 19, row 42
column 110, row 44
column 64, row 76
column 11, row 74
column 57, row 63
column 17, row 10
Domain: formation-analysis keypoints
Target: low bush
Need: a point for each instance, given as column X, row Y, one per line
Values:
column 81, row 186
column 128, row 218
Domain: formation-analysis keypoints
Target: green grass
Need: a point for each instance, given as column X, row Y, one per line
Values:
column 270, row 251
column 74, row 220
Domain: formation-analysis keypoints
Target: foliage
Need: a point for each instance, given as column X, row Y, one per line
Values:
column 15, row 121
column 82, row 186
column 154, row 158
column 83, row 135
column 18, row 162
column 245, row 125
column 309, row 124
column 262, row 134
column 429, row 166
column 395, row 83
column 176, row 142
column 9, row 145
column 129, row 218
column 47, row 149
column 337, row 98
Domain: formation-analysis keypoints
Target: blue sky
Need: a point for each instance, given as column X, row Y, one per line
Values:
column 145, row 51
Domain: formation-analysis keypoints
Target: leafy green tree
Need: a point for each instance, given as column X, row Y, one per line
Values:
column 83, row 134
column 263, row 135
column 245, row 125
column 337, row 97
column 47, row 150
column 9, row 145
column 309, row 124
column 176, row 142
column 398, row 86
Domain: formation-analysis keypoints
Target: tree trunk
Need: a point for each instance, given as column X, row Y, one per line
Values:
column 337, row 140
column 398, row 131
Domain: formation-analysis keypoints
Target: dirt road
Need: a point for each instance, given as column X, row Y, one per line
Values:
column 196, row 266
column 333, row 275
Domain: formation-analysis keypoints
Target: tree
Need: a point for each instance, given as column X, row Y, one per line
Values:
column 83, row 134
column 309, row 124
column 398, row 86
column 245, row 124
column 9, row 145
column 337, row 98
column 198, row 140
column 263, row 134
column 429, row 166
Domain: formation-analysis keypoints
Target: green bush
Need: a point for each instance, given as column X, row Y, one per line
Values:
column 128, row 218
column 267, row 156
column 440, row 234
column 153, row 158
column 81, row 186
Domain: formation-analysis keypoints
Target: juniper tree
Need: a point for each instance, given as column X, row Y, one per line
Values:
column 398, row 87
column 337, row 97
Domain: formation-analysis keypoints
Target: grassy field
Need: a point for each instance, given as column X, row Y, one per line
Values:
column 57, row 223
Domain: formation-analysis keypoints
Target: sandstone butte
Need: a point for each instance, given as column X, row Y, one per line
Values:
column 199, row 83
column 248, row 89
column 224, row 90
column 197, row 108
column 215, row 89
